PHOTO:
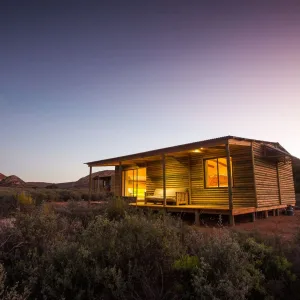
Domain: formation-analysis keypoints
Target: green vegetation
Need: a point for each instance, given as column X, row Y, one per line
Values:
column 112, row 251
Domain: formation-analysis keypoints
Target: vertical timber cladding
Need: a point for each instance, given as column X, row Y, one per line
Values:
column 265, row 178
column 243, row 190
column 286, row 183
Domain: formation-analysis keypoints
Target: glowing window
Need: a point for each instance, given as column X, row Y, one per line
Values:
column 216, row 175
column 134, row 183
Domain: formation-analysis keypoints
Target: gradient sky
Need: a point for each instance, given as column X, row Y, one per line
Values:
column 82, row 81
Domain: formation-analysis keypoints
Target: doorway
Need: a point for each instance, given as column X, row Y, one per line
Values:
column 134, row 183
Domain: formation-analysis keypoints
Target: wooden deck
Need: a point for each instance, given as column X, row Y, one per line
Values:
column 223, row 210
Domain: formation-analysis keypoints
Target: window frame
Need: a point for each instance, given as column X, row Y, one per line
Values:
column 205, row 171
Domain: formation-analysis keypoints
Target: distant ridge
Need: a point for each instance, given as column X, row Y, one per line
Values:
column 14, row 181
column 84, row 181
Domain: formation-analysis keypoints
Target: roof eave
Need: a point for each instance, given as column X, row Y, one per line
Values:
column 167, row 150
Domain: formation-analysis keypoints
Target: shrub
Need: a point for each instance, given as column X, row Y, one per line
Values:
column 112, row 251
column 24, row 198
column 116, row 208
column 57, row 258
column 10, row 293
column 8, row 205
column 38, row 197
column 273, row 265
column 25, row 201
column 224, row 270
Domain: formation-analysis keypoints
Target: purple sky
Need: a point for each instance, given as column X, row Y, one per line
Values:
column 82, row 81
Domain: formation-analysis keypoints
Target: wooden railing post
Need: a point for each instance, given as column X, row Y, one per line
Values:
column 163, row 160
column 190, row 180
column 120, row 179
column 90, row 185
column 231, row 217
column 254, row 176
column 278, row 182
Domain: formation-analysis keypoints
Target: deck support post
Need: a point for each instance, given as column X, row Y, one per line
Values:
column 90, row 186
column 231, row 217
column 278, row 183
column 231, row 220
column 253, row 217
column 197, row 217
column 277, row 212
column 266, row 214
column 120, row 180
column 274, row 212
column 254, row 178
column 163, row 161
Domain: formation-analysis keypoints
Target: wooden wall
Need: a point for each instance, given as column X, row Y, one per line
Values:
column 199, row 194
column 265, row 178
column 272, row 189
column 286, row 183
column 243, row 191
column 154, row 176
column 245, row 179
column 177, row 172
column 177, row 175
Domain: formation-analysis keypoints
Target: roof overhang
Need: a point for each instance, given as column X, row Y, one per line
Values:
column 296, row 163
column 139, row 159
column 275, row 154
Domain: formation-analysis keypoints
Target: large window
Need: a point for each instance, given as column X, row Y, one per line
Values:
column 134, row 183
column 216, row 175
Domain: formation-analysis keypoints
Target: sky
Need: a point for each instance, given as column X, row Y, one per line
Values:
column 88, row 80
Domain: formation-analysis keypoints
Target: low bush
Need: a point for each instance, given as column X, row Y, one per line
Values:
column 112, row 251
column 8, row 205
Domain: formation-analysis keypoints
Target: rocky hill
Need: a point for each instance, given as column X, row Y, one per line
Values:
column 2, row 176
column 12, row 181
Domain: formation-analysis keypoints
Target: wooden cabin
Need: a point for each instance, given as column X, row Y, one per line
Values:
column 103, row 181
column 227, row 175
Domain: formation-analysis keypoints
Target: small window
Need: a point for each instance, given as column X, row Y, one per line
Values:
column 216, row 175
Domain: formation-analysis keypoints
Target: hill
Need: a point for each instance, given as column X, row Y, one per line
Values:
column 2, row 176
column 37, row 184
column 12, row 181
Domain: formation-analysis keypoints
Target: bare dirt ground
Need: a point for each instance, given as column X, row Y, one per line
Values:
column 283, row 226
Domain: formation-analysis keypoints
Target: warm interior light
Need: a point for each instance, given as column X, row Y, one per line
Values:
column 196, row 150
column 201, row 148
